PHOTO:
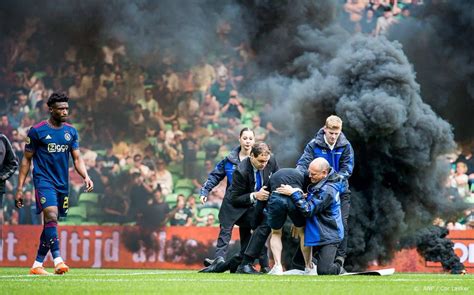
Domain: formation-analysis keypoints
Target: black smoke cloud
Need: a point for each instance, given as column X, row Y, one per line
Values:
column 438, row 41
column 432, row 243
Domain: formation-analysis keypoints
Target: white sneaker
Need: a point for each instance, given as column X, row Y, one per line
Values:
column 277, row 270
column 313, row 271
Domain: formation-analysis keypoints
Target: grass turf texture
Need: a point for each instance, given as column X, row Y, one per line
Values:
column 108, row 281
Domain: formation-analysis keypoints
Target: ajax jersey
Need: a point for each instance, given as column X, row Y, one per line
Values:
column 51, row 147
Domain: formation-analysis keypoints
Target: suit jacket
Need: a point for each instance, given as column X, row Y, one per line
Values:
column 237, row 198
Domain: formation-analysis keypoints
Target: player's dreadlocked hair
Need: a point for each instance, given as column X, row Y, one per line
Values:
column 57, row 97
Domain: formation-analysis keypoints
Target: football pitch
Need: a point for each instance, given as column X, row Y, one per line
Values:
column 108, row 281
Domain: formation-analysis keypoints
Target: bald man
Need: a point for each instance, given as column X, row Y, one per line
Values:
column 324, row 229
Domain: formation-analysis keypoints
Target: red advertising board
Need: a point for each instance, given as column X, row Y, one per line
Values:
column 172, row 248
column 108, row 246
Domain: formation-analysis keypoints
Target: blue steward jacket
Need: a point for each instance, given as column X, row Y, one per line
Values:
column 224, row 168
column 322, row 209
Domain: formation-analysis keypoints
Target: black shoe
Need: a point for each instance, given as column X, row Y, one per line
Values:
column 339, row 260
column 215, row 266
column 265, row 269
column 342, row 271
column 234, row 263
column 247, row 269
column 208, row 261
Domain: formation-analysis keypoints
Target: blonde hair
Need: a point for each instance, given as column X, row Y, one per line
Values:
column 333, row 122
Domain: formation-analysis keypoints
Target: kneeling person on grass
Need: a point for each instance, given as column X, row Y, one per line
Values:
column 322, row 208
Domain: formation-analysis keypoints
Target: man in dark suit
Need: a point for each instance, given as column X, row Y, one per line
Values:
column 248, row 194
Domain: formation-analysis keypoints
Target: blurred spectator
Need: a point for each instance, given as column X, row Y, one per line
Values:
column 180, row 215
column 139, row 196
column 221, row 89
column 137, row 122
column 156, row 213
column 233, row 107
column 23, row 103
column 109, row 163
column 190, row 149
column 384, row 22
column 95, row 175
column 15, row 115
column 27, row 215
column 210, row 220
column 204, row 75
column 188, row 108
column 259, row 131
column 377, row 7
column 112, row 49
column 368, row 22
column 192, row 206
column 149, row 103
column 461, row 179
column 138, row 166
column 355, row 9
column 171, row 80
column 198, row 129
column 169, row 107
column 115, row 206
column 209, row 109
column 164, row 177
column 5, row 127
column 75, row 92
column 175, row 129
column 9, row 209
column 186, row 81
column 107, row 77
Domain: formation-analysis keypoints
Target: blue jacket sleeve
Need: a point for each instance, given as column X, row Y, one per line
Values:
column 214, row 178
column 314, row 205
column 306, row 157
column 346, row 165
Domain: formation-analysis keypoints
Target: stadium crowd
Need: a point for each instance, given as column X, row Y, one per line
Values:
column 152, row 129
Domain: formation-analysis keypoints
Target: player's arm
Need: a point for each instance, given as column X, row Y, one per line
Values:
column 81, row 169
column 23, row 172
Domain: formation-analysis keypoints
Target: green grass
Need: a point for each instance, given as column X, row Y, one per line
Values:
column 108, row 281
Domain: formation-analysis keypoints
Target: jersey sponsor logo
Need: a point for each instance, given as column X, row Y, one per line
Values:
column 28, row 140
column 57, row 148
column 67, row 136
column 43, row 200
column 48, row 136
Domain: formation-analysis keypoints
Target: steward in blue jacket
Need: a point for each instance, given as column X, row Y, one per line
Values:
column 331, row 144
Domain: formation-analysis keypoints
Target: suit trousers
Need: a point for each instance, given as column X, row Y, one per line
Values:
column 225, row 234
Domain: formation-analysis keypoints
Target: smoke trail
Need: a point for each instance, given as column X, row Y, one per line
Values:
column 439, row 44
column 431, row 242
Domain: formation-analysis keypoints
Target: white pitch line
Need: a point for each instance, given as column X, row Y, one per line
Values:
column 100, row 274
column 217, row 280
